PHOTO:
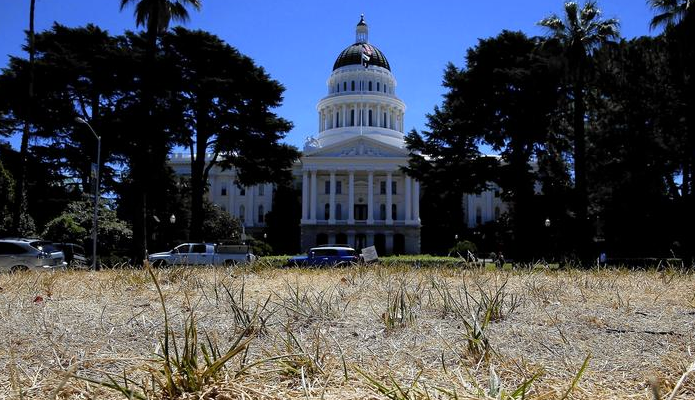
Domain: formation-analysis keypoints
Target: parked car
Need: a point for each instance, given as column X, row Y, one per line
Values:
column 29, row 254
column 327, row 255
column 74, row 254
column 202, row 254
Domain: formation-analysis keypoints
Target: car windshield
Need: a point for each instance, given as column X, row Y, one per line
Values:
column 41, row 245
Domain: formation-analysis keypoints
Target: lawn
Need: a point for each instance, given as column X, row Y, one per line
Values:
column 350, row 333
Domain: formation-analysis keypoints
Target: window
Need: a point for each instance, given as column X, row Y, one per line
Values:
column 370, row 86
column 385, row 88
column 352, row 117
column 223, row 191
column 261, row 214
column 327, row 212
column 382, row 211
column 242, row 214
column 337, row 120
column 338, row 211
column 370, row 116
column 242, row 191
column 223, row 207
column 337, row 87
column 261, row 190
column 383, row 123
column 327, row 187
column 360, row 212
column 344, row 86
column 394, row 187
column 378, row 88
column 352, row 86
column 11, row 248
column 382, row 187
column 394, row 211
column 198, row 248
column 339, row 187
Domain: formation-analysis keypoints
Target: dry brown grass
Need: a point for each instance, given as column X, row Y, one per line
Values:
column 320, row 328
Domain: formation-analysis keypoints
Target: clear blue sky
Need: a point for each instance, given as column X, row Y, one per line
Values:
column 298, row 41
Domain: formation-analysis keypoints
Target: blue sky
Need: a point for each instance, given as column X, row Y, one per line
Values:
column 298, row 41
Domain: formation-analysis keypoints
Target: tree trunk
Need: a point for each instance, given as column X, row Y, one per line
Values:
column 581, row 196
column 198, row 182
column 24, row 147
column 143, row 153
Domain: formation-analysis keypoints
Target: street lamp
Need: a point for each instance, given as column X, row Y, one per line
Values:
column 172, row 219
column 547, row 222
column 96, row 192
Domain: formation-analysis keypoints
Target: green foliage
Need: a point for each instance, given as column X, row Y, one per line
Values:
column 462, row 248
column 259, row 247
column 219, row 225
column 65, row 229
column 75, row 225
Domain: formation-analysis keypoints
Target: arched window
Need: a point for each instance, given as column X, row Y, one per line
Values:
column 344, row 86
column 370, row 86
column 339, row 212
column 352, row 86
column 384, row 121
column 327, row 212
column 370, row 115
column 352, row 117
column 382, row 212
column 242, row 214
column 261, row 214
column 394, row 212
column 337, row 119
column 378, row 87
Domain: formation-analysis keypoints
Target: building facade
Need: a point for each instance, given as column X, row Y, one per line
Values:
column 353, row 189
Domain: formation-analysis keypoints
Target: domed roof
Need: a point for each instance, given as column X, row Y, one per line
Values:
column 352, row 55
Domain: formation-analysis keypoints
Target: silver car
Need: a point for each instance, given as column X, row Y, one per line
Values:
column 29, row 254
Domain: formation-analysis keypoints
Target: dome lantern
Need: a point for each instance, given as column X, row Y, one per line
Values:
column 362, row 32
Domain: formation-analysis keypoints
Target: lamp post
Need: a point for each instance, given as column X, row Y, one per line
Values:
column 547, row 228
column 96, row 192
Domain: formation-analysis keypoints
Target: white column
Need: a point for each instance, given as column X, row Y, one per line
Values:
column 312, row 203
column 351, row 198
column 249, row 206
column 388, row 119
column 357, row 115
column 416, row 201
column 389, row 198
column 370, row 198
column 408, row 199
column 378, row 115
column 319, row 121
column 344, row 115
column 305, row 195
column 331, row 209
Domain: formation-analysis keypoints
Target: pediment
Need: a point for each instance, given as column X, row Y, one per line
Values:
column 359, row 147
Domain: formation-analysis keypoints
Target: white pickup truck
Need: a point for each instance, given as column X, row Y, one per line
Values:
column 202, row 254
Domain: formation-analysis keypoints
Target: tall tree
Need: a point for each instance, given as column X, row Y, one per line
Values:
column 24, row 146
column 678, row 19
column 503, row 99
column 227, row 104
column 580, row 31
column 636, row 139
column 155, row 16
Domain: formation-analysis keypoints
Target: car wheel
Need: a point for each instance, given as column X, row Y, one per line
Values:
column 19, row 268
column 229, row 263
column 159, row 264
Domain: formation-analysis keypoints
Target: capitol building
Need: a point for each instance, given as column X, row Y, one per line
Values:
column 352, row 187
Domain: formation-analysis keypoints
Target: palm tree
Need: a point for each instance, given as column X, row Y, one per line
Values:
column 24, row 147
column 579, row 33
column 155, row 16
column 679, row 20
column 670, row 12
